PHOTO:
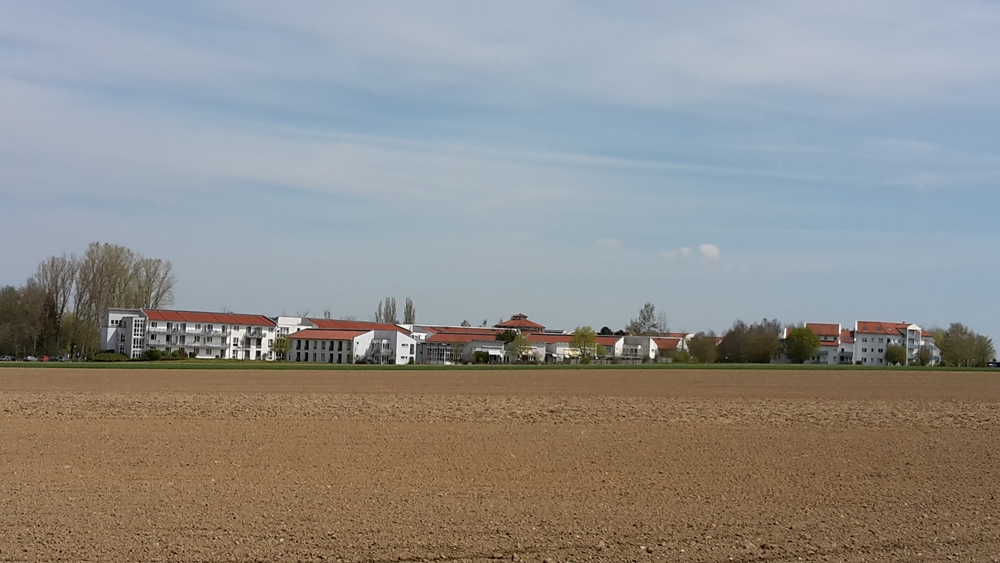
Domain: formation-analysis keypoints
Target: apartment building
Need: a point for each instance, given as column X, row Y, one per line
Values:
column 333, row 341
column 203, row 334
column 871, row 338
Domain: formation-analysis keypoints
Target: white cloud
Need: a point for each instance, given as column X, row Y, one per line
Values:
column 680, row 253
column 709, row 252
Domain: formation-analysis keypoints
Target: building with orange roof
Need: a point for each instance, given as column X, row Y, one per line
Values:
column 520, row 323
column 195, row 333
column 872, row 338
column 349, row 342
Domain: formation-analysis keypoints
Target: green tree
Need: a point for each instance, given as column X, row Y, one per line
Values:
column 895, row 355
column 702, row 348
column 801, row 344
column 281, row 347
column 962, row 347
column 757, row 343
column 585, row 340
column 519, row 349
column 924, row 356
column 507, row 336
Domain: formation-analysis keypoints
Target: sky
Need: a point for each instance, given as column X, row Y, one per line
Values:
column 805, row 161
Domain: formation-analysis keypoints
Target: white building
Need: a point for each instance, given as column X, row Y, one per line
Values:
column 344, row 346
column 872, row 338
column 334, row 341
column 200, row 334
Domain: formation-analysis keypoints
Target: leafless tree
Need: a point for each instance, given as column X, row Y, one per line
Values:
column 409, row 312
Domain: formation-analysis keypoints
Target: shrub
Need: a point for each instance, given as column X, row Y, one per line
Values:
column 681, row 357
column 110, row 357
column 480, row 357
column 152, row 355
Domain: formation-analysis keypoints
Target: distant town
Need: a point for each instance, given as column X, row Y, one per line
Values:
column 155, row 333
column 113, row 304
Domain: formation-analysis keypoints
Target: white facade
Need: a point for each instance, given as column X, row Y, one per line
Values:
column 204, row 335
column 325, row 346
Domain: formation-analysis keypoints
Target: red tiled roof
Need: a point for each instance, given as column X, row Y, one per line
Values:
column 833, row 343
column 845, row 336
column 520, row 321
column 207, row 318
column 824, row 329
column 326, row 334
column 335, row 324
column 666, row 342
column 877, row 327
column 608, row 340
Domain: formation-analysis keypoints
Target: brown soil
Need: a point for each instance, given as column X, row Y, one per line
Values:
column 150, row 465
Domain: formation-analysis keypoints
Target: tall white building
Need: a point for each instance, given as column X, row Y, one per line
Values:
column 872, row 338
column 205, row 335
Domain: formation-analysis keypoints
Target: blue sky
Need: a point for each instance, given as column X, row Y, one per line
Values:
column 568, row 160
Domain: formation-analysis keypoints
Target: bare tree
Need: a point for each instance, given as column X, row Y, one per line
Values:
column 409, row 312
column 153, row 283
column 109, row 276
column 379, row 315
column 647, row 323
column 389, row 311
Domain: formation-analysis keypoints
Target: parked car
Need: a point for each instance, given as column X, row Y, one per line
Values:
column 6, row 358
column 30, row 359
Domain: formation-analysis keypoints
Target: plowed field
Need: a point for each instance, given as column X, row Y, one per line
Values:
column 602, row 465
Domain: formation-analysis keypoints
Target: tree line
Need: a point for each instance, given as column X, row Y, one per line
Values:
column 57, row 312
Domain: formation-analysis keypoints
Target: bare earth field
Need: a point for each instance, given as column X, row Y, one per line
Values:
column 594, row 465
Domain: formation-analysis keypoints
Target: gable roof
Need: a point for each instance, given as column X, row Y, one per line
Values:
column 337, row 324
column 846, row 336
column 824, row 329
column 326, row 334
column 667, row 342
column 878, row 327
column 207, row 318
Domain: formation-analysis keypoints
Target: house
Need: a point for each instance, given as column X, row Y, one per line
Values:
column 335, row 341
column 829, row 335
column 445, row 345
column 202, row 334
column 846, row 355
column 872, row 338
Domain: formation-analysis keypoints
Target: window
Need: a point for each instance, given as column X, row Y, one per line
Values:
column 314, row 356
column 864, row 339
column 411, row 348
column 864, row 350
column 324, row 344
column 880, row 340
column 298, row 344
column 880, row 350
column 152, row 324
column 197, row 326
